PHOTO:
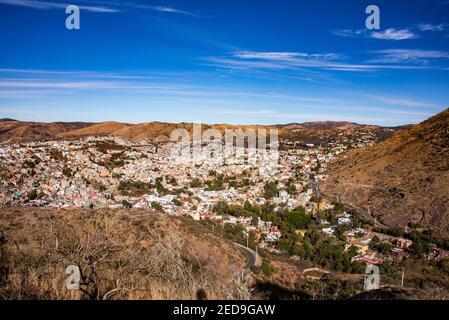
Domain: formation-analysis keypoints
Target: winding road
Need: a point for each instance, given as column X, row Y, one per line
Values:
column 251, row 256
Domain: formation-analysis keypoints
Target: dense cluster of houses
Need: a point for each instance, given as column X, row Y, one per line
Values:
column 79, row 173
column 88, row 173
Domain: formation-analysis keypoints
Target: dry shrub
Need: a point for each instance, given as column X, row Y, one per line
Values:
column 122, row 254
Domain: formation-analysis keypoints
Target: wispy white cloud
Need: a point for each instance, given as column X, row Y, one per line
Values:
column 432, row 27
column 45, row 5
column 350, row 33
column 388, row 34
column 409, row 56
column 165, row 9
column 296, row 61
column 393, row 34
column 80, row 74
column 39, row 83
column 405, row 102
column 96, row 6
column 286, row 56
column 240, row 65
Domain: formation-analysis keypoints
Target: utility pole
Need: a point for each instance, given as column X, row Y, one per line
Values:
column 402, row 280
column 256, row 254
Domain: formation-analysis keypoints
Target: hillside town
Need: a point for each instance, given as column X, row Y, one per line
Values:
column 93, row 173
column 109, row 172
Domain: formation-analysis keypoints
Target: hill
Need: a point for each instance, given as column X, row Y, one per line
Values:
column 330, row 125
column 160, row 131
column 322, row 125
column 122, row 254
column 312, row 132
column 154, row 131
column 98, row 129
column 25, row 131
column 402, row 179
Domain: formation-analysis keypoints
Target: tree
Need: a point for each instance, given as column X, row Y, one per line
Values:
column 32, row 195
column 357, row 267
column 338, row 207
column 353, row 251
column 381, row 247
column 291, row 188
column 252, row 208
column 396, row 232
column 270, row 190
column 267, row 269
column 212, row 172
column 298, row 219
column 196, row 183
column 126, row 204
column 419, row 248
column 307, row 247
column 157, row 206
column 340, row 230
column 214, row 185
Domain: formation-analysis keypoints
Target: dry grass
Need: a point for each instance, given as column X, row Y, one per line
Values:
column 122, row 254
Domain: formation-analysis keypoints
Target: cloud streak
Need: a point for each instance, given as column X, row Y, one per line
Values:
column 45, row 5
column 409, row 56
column 163, row 9
column 296, row 61
column 388, row 34
column 403, row 102
column 432, row 27
column 393, row 34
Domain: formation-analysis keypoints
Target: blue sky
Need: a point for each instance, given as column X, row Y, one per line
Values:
column 242, row 62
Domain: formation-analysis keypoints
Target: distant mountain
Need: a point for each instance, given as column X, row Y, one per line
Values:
column 312, row 132
column 155, row 131
column 402, row 179
column 7, row 120
column 331, row 125
column 25, row 131
column 98, row 129
column 321, row 125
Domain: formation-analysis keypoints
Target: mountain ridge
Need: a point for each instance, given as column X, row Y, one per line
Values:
column 15, row 130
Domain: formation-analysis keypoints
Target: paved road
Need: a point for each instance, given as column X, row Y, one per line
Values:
column 250, row 255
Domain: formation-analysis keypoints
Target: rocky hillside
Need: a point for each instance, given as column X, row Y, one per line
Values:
column 403, row 179
column 122, row 254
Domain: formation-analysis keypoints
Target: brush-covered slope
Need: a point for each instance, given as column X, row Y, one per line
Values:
column 402, row 179
column 122, row 254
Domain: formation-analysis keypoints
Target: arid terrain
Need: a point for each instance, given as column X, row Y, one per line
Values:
column 108, row 199
column 311, row 132
column 11, row 129
column 401, row 180
column 122, row 254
